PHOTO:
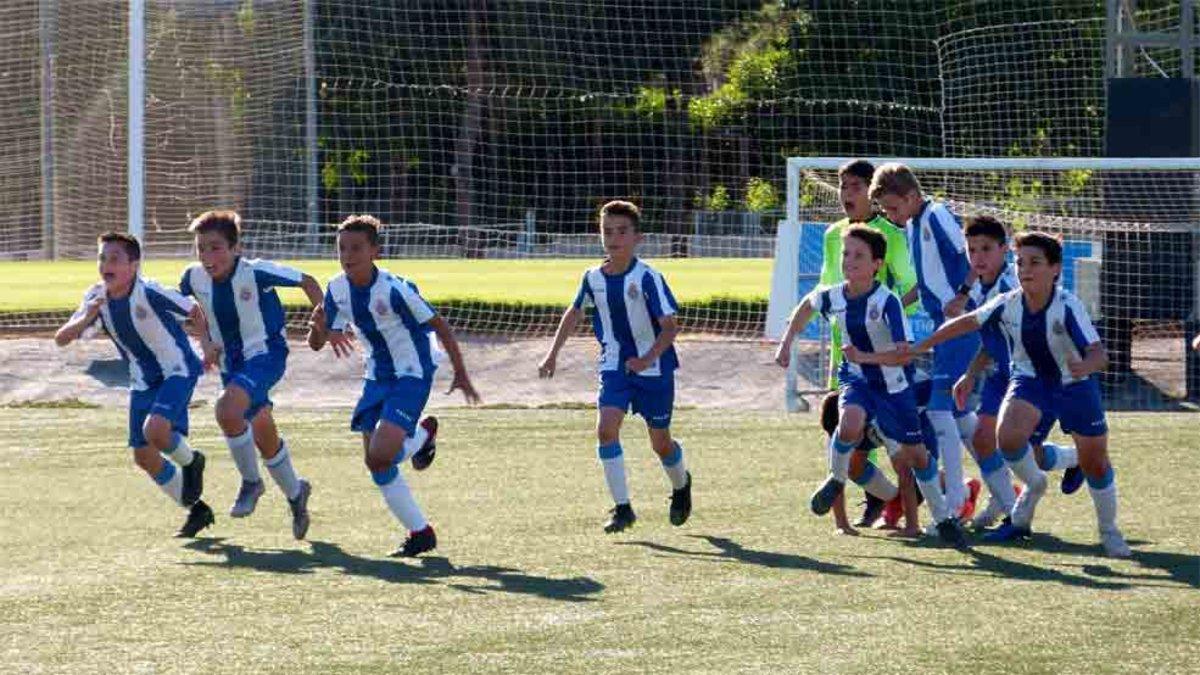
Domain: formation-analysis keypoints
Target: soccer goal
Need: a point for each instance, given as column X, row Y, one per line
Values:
column 1131, row 235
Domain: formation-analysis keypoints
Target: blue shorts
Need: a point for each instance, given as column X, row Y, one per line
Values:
column 257, row 377
column 994, row 388
column 895, row 414
column 169, row 399
column 652, row 397
column 1076, row 407
column 398, row 401
column 950, row 361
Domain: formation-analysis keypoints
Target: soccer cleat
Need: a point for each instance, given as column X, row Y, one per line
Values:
column 968, row 507
column 681, row 502
column 871, row 512
column 1072, row 479
column 417, row 543
column 892, row 512
column 247, row 499
column 951, row 533
column 985, row 518
column 1114, row 544
column 1007, row 532
column 193, row 479
column 621, row 517
column 199, row 517
column 822, row 499
column 299, row 507
column 422, row 458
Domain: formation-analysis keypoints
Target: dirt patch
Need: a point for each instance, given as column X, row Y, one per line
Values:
column 714, row 374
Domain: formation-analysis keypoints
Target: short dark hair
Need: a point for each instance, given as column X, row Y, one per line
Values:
column 227, row 223
column 620, row 207
column 368, row 225
column 830, row 412
column 871, row 237
column 986, row 226
column 1048, row 243
column 859, row 168
column 133, row 248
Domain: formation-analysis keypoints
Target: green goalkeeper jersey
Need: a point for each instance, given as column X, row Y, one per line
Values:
column 897, row 273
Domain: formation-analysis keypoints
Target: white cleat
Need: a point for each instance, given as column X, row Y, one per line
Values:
column 1114, row 544
column 247, row 499
column 987, row 517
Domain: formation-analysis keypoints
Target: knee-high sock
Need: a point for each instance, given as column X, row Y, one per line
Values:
column 950, row 449
column 1025, row 467
column 612, row 458
column 245, row 455
column 283, row 473
column 999, row 481
column 412, row 444
column 170, row 481
column 675, row 467
column 1058, row 457
column 399, row 498
column 966, row 428
column 1104, row 498
column 839, row 457
column 180, row 451
column 874, row 483
column 927, row 483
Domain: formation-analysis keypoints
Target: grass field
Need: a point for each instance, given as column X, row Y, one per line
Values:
column 524, row 581
column 44, row 286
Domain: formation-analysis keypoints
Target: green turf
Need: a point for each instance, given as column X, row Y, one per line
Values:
column 42, row 286
column 524, row 581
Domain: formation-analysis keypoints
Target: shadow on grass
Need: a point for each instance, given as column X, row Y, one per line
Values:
column 729, row 550
column 424, row 570
column 1179, row 567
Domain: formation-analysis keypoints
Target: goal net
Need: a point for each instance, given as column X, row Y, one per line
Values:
column 1131, row 252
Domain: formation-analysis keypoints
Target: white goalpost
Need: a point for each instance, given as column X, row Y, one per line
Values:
column 1131, row 232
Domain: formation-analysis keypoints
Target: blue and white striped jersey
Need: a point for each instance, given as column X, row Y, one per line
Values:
column 245, row 316
column 872, row 322
column 994, row 341
column 626, row 320
column 145, row 327
column 939, row 254
column 1041, row 342
column 391, row 320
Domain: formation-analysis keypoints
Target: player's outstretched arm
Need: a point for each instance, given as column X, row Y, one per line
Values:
column 566, row 328
column 312, row 290
column 953, row 328
column 461, row 380
column 901, row 355
column 666, row 336
column 317, row 334
column 74, row 327
column 798, row 320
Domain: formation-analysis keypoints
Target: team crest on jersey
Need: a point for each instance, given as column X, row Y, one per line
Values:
column 140, row 312
column 1058, row 328
column 381, row 307
column 926, row 234
column 633, row 292
column 245, row 294
column 874, row 314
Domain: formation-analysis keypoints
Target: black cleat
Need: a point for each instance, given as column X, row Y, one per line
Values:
column 871, row 513
column 422, row 458
column 951, row 533
column 299, row 507
column 1072, row 479
column 621, row 518
column 822, row 499
column 681, row 502
column 199, row 517
column 417, row 543
column 193, row 479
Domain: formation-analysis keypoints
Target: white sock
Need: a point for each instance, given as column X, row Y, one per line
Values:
column 950, row 449
column 875, row 483
column 412, row 444
column 1025, row 467
column 966, row 428
column 613, row 460
column 931, row 490
column 1059, row 457
column 675, row 466
column 284, row 474
column 181, row 452
column 1104, row 498
column 400, row 499
column 999, row 481
column 245, row 455
column 170, row 481
column 839, row 457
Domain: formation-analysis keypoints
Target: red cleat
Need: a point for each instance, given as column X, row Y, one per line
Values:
column 974, row 487
column 892, row 512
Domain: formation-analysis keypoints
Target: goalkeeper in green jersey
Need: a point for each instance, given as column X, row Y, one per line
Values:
column 854, row 182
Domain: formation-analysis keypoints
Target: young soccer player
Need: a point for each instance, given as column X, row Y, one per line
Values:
column 394, row 324
column 1055, row 353
column 874, row 323
column 987, row 245
column 854, row 182
column 246, row 322
column 944, row 278
column 142, row 319
column 634, row 321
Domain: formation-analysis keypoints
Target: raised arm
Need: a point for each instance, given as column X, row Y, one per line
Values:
column 79, row 321
column 953, row 328
column 312, row 290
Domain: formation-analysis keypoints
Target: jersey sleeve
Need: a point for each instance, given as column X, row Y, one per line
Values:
column 583, row 298
column 831, row 259
column 405, row 295
column 167, row 301
column 989, row 314
column 659, row 299
column 89, row 296
column 943, row 219
column 185, row 282
column 268, row 274
column 1079, row 325
column 333, row 318
column 897, row 323
column 899, row 262
column 818, row 301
